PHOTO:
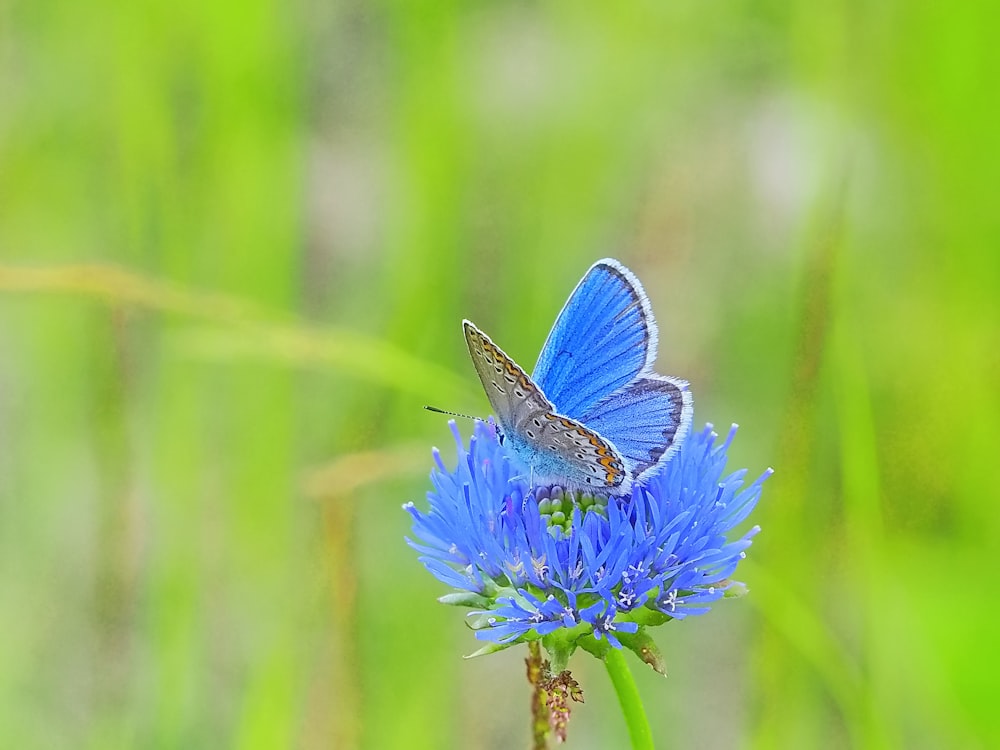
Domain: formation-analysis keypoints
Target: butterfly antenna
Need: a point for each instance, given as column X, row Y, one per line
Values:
column 450, row 413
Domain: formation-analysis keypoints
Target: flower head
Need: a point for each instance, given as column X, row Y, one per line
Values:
column 577, row 569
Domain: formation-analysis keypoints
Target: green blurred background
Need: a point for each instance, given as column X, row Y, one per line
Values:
column 238, row 239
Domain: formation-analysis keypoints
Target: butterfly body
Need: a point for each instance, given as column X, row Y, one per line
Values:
column 556, row 447
column 593, row 416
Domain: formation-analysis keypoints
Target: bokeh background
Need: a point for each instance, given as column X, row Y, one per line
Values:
column 237, row 242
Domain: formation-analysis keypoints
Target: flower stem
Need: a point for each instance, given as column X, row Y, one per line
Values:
column 628, row 697
column 539, row 714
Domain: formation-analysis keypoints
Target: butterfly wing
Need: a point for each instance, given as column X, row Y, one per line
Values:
column 647, row 420
column 603, row 339
column 558, row 449
column 515, row 399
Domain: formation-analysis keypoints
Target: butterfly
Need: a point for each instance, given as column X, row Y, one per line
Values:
column 593, row 415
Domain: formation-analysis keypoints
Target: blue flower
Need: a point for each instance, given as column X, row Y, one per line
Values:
column 575, row 569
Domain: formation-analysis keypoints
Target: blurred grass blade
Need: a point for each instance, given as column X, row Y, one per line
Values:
column 256, row 332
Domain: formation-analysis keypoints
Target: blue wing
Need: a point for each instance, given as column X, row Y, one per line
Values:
column 603, row 339
column 647, row 420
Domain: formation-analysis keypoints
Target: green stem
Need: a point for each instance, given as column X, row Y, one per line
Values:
column 628, row 697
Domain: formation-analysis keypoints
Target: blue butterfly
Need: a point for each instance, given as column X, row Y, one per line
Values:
column 593, row 416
